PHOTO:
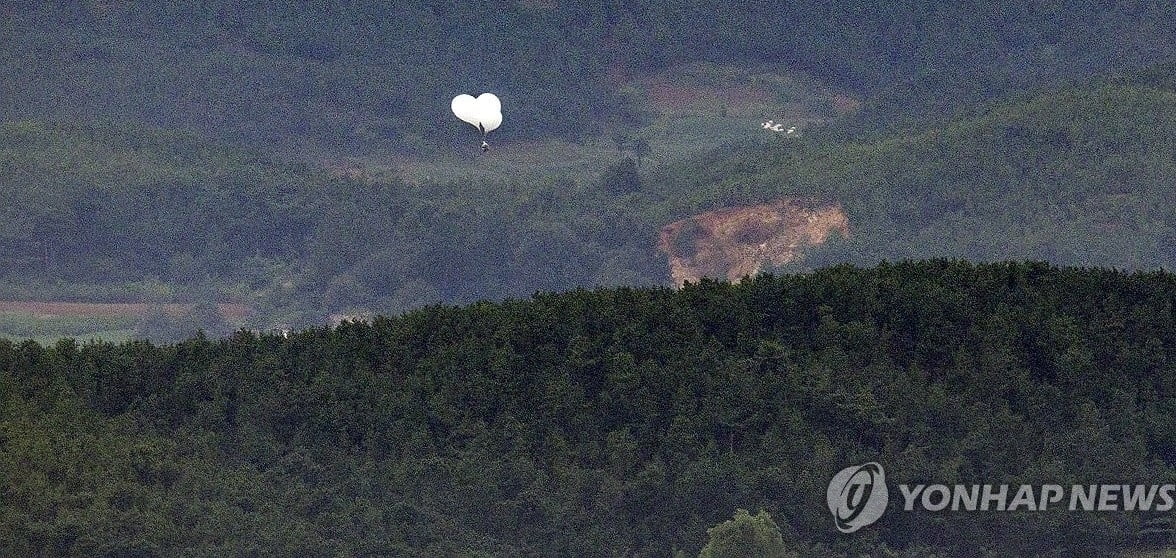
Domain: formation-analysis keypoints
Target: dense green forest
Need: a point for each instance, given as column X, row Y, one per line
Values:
column 607, row 422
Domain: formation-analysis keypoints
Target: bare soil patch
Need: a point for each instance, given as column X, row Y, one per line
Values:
column 736, row 242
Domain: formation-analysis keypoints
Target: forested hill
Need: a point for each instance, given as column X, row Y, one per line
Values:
column 358, row 76
column 608, row 422
column 1081, row 176
column 128, row 212
column 102, row 203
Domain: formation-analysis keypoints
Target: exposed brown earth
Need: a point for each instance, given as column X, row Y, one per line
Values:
column 736, row 242
column 671, row 97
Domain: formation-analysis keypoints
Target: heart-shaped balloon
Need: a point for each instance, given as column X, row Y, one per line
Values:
column 465, row 107
column 483, row 112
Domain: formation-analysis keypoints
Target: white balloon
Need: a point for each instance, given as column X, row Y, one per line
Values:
column 484, row 112
column 465, row 107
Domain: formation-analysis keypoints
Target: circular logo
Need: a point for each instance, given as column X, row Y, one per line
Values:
column 857, row 496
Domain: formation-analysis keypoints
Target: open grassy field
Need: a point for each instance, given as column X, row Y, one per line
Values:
column 48, row 321
column 46, row 329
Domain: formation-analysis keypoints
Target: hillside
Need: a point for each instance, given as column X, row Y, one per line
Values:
column 1081, row 175
column 300, row 159
column 155, row 214
column 608, row 422
column 124, row 214
column 101, row 212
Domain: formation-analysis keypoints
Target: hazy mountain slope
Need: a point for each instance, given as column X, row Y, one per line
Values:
column 1080, row 175
column 371, row 76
